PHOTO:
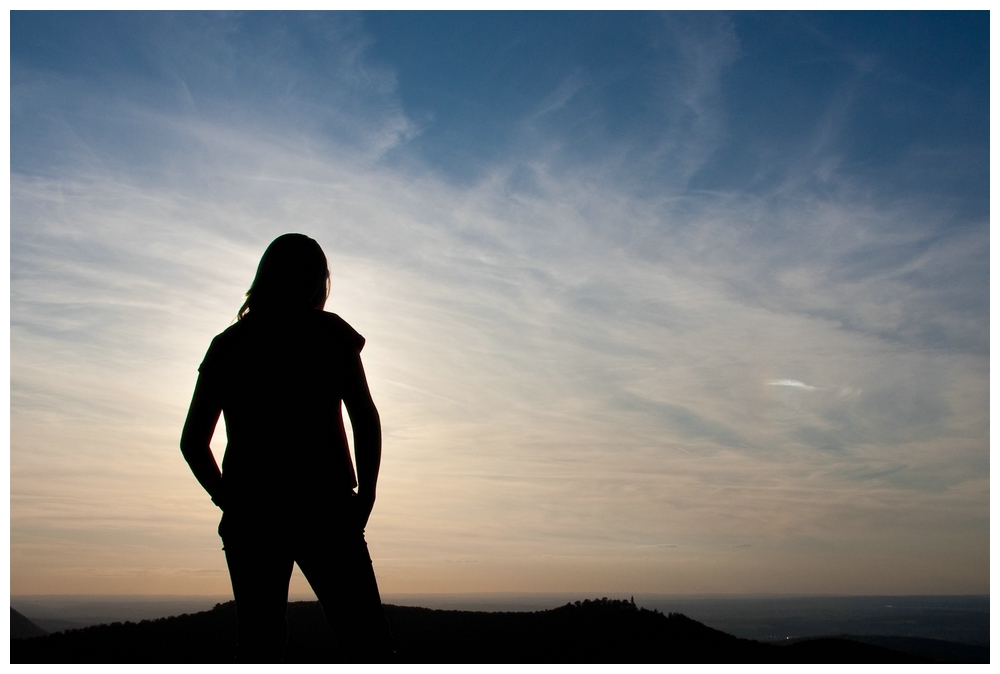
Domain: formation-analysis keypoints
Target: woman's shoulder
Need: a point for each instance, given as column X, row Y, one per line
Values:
column 232, row 333
column 340, row 330
column 220, row 348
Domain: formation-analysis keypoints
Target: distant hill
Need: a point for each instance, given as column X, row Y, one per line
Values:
column 935, row 649
column 600, row 631
column 22, row 628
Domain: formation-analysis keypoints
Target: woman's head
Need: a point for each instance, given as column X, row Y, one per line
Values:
column 292, row 275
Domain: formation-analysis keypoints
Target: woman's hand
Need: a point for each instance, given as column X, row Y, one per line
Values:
column 363, row 502
column 219, row 497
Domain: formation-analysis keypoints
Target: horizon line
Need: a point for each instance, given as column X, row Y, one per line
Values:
column 587, row 595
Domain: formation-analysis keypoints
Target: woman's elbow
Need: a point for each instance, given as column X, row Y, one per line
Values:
column 189, row 448
column 194, row 443
column 365, row 418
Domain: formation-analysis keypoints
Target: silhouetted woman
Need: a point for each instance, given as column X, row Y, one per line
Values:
column 287, row 483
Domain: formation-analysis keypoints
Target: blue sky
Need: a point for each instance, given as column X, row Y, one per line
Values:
column 655, row 302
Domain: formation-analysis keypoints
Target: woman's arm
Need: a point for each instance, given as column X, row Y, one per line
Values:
column 196, row 437
column 367, row 434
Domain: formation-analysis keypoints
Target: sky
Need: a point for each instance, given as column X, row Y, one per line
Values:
column 654, row 302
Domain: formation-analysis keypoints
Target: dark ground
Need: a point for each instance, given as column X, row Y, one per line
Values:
column 601, row 631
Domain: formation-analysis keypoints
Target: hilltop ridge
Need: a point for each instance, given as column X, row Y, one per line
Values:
column 599, row 630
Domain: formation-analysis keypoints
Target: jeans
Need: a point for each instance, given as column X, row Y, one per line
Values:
column 331, row 551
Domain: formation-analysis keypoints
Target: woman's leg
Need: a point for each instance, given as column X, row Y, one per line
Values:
column 260, row 567
column 337, row 565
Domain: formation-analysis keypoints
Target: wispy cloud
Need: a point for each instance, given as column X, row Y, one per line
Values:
column 791, row 382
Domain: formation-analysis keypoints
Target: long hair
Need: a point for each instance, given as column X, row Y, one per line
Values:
column 292, row 276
